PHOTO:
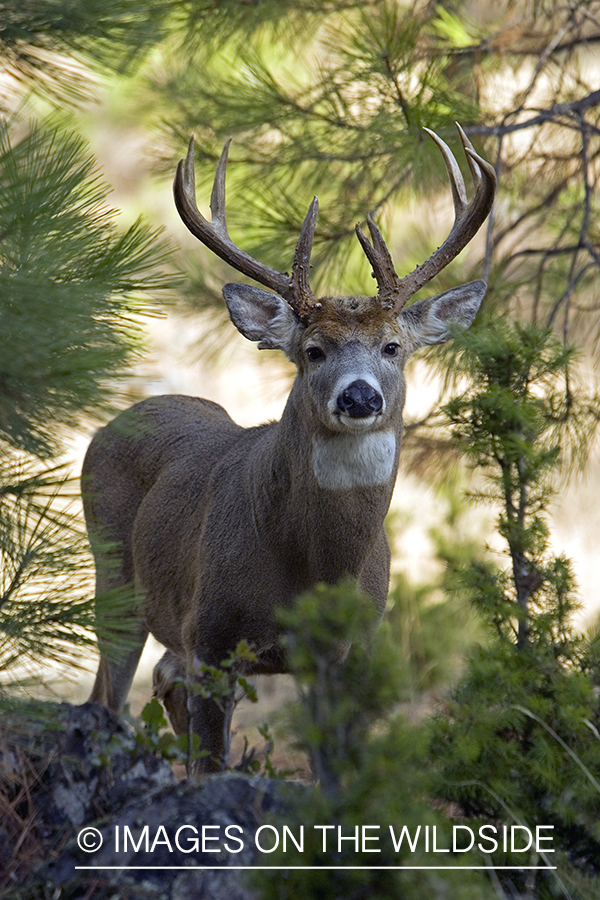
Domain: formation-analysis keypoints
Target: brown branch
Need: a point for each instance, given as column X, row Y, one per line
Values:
column 548, row 115
column 489, row 234
column 400, row 94
column 488, row 48
column 575, row 276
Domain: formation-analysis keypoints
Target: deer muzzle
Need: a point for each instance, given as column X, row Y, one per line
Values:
column 359, row 400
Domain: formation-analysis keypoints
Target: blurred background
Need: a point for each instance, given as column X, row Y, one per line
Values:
column 105, row 297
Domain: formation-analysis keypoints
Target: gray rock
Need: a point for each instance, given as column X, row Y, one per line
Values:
column 206, row 830
column 155, row 838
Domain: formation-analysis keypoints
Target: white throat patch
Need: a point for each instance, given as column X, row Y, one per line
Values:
column 354, row 460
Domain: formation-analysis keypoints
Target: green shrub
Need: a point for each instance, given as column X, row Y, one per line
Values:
column 520, row 739
column 369, row 763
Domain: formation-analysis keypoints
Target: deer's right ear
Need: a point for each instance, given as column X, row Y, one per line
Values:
column 261, row 316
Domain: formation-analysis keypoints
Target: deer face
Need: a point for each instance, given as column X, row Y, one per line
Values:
column 349, row 351
column 350, row 355
column 350, row 358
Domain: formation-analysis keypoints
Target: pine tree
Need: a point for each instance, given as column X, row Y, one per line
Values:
column 520, row 740
column 72, row 290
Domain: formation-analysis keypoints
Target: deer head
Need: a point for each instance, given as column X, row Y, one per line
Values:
column 315, row 333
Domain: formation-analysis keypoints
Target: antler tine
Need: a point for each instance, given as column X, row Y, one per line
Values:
column 457, row 185
column 217, row 197
column 471, row 157
column 301, row 265
column 394, row 292
column 214, row 234
column 381, row 260
column 468, row 217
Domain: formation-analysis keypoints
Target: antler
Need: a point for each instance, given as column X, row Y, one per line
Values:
column 295, row 289
column 394, row 292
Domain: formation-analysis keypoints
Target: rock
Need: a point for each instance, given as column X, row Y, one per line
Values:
column 84, row 761
column 89, row 784
column 206, row 830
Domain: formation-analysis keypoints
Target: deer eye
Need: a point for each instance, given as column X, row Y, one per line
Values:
column 391, row 350
column 314, row 353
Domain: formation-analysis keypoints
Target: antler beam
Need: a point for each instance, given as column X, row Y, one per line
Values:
column 394, row 291
column 214, row 235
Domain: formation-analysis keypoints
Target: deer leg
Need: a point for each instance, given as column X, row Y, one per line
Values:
column 212, row 723
column 117, row 610
column 117, row 669
column 191, row 714
column 168, row 685
column 111, row 500
column 209, row 719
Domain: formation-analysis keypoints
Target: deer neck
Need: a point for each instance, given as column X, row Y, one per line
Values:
column 353, row 461
column 323, row 497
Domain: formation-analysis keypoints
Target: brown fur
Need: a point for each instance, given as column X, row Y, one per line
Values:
column 215, row 525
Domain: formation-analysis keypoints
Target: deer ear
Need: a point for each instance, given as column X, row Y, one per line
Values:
column 261, row 316
column 427, row 321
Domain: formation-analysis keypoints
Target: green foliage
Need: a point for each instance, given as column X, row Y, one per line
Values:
column 42, row 555
column 223, row 683
column 520, row 739
column 339, row 112
column 339, row 115
column 369, row 763
column 39, row 38
column 519, row 744
column 514, row 425
column 42, row 42
column 227, row 688
column 155, row 736
column 71, row 289
column 338, row 702
column 71, row 285
column 46, row 607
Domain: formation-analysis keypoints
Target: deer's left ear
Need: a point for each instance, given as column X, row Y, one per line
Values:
column 427, row 321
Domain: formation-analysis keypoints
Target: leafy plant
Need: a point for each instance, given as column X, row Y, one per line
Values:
column 225, row 686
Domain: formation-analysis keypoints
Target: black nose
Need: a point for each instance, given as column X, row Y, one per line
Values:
column 359, row 400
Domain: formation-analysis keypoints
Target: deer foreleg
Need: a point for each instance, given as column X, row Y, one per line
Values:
column 116, row 671
column 168, row 685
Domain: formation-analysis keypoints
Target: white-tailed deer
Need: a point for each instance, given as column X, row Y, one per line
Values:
column 216, row 525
